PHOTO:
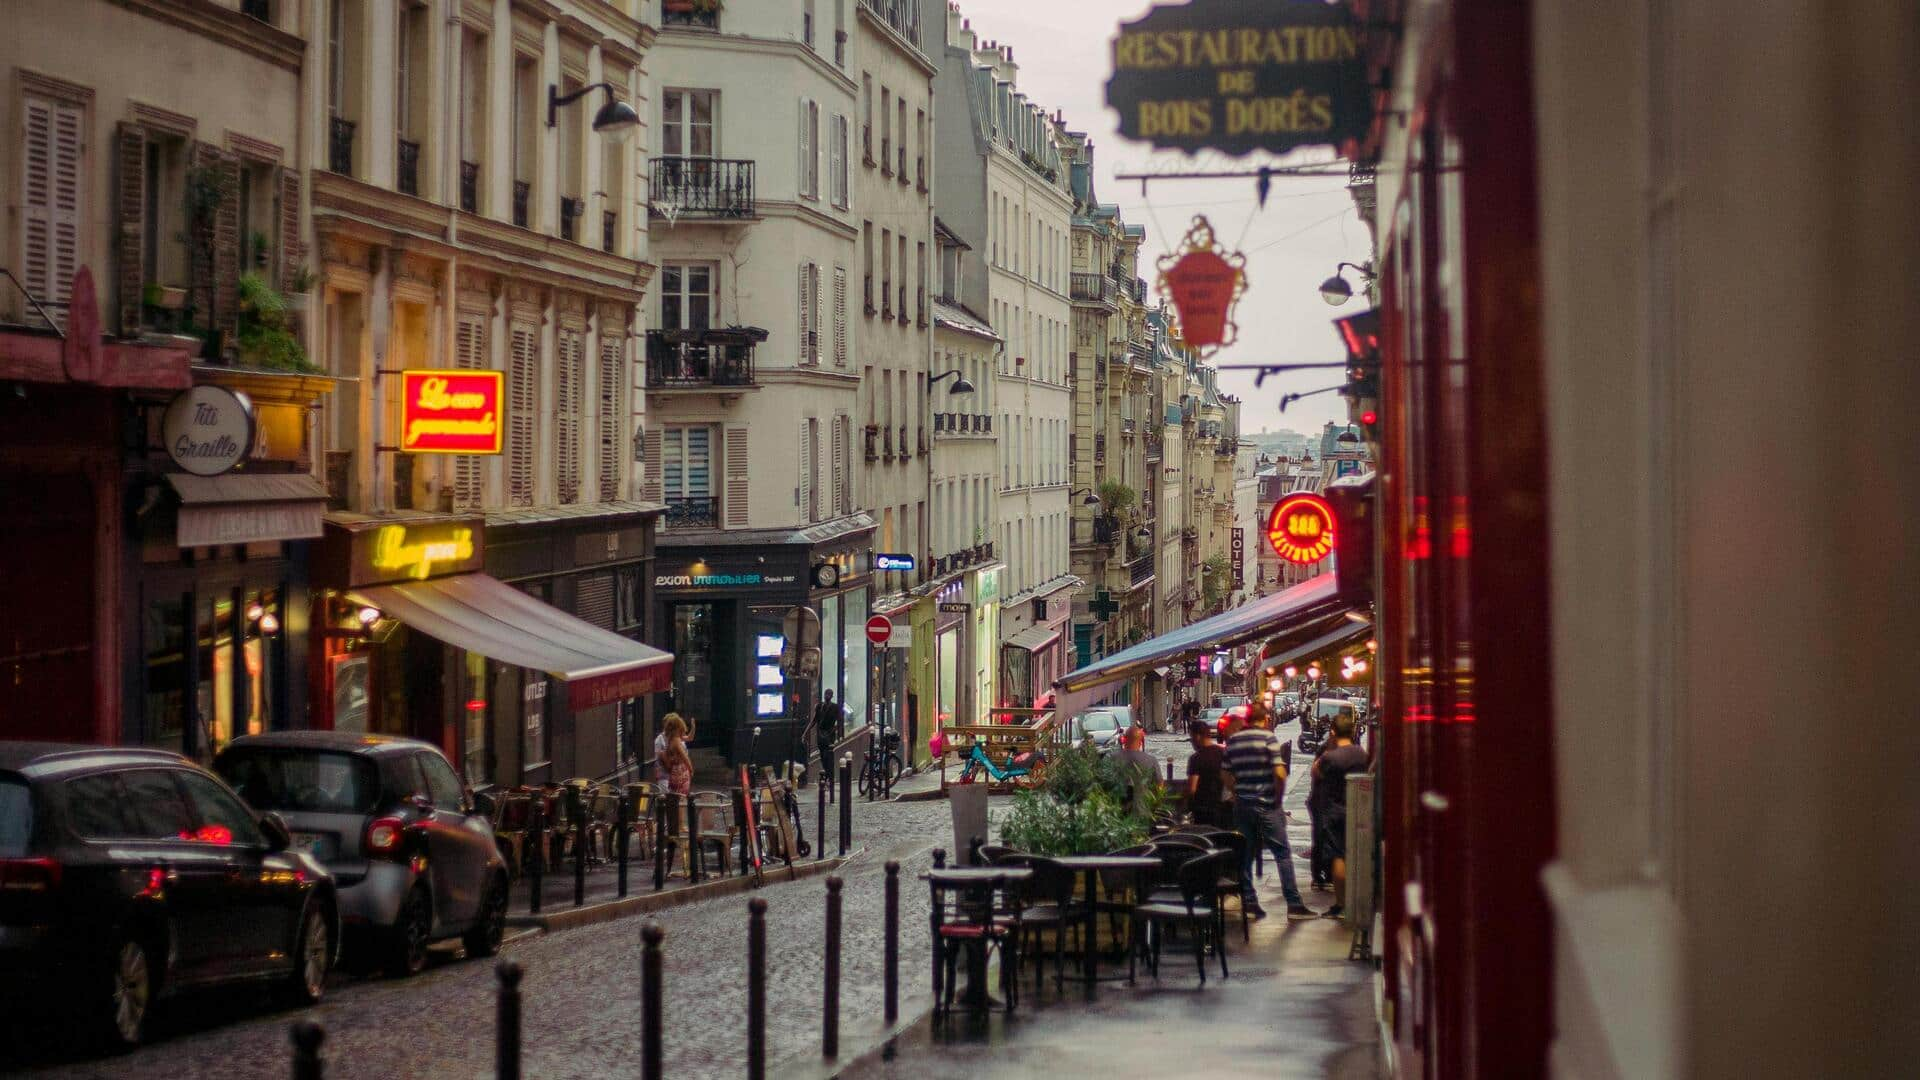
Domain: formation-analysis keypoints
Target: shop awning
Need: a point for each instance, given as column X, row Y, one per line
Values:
column 246, row 508
column 1303, row 605
column 484, row 615
column 1346, row 632
column 1034, row 638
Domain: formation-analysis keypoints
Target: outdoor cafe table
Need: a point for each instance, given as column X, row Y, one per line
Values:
column 973, row 880
column 1091, row 865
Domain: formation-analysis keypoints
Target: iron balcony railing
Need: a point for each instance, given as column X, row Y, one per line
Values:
column 703, row 187
column 685, row 13
column 692, row 512
column 470, row 186
column 571, row 210
column 340, row 145
column 408, row 166
column 692, row 359
column 609, row 230
column 1096, row 288
column 1140, row 569
column 866, row 294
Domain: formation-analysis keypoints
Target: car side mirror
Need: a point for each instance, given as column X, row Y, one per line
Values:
column 420, row 802
column 274, row 828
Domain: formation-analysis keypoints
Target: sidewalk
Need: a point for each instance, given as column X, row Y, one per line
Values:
column 1294, row 1006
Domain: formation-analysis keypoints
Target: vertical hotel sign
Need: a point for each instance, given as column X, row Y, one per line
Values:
column 1237, row 77
column 451, row 412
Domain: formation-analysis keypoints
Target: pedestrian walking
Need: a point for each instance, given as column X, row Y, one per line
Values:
column 826, row 731
column 1342, row 758
column 1209, row 785
column 1259, row 778
column 660, row 745
column 674, row 760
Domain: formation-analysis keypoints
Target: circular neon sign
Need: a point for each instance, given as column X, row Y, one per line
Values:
column 1301, row 528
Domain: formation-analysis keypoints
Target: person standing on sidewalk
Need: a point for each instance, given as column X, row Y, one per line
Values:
column 1259, row 776
column 1342, row 758
column 1207, row 790
column 826, row 732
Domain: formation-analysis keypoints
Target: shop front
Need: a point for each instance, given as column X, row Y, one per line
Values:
column 414, row 638
column 1032, row 658
column 952, row 670
column 722, row 605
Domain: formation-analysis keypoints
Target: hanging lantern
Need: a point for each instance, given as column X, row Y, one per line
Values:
column 1204, row 282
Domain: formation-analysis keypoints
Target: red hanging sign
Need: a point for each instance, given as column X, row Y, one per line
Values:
column 1204, row 282
column 451, row 412
column 1300, row 528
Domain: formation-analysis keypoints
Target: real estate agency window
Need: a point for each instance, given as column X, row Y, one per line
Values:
column 687, row 122
column 686, row 296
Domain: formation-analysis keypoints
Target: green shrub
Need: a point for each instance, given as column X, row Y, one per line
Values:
column 266, row 339
column 1086, row 803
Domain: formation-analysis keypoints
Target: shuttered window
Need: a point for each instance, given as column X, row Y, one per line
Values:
column 736, row 463
column 810, row 149
column 687, row 464
column 130, row 177
column 837, row 475
column 54, row 133
column 840, row 316
column 810, row 315
column 593, row 599
column 469, row 354
column 523, row 404
column 837, row 145
column 612, row 393
column 569, row 375
column 652, row 452
column 804, row 493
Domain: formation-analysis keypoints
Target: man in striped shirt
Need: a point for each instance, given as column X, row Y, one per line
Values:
column 1259, row 780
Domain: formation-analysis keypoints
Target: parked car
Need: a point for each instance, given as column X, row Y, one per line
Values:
column 1228, row 701
column 413, row 861
column 1210, row 718
column 1102, row 725
column 130, row 874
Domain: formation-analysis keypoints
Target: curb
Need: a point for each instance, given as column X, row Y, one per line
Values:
column 609, row 910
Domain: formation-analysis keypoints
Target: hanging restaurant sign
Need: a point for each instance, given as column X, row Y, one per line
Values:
column 1237, row 77
column 1300, row 528
column 207, row 429
column 1204, row 282
column 451, row 412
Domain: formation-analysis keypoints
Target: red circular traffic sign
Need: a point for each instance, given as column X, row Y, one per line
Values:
column 1300, row 528
column 879, row 629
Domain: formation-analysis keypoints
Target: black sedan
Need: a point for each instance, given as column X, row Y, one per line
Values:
column 131, row 874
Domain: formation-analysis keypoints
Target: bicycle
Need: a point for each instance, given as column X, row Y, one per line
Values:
column 882, row 767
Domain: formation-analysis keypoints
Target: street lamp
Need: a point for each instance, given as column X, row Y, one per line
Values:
column 615, row 118
column 1347, row 437
column 1090, row 500
column 1143, row 535
column 960, row 384
column 1335, row 289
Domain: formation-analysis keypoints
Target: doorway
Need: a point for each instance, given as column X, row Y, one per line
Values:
column 703, row 637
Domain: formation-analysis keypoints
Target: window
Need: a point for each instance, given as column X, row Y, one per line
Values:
column 443, row 787
column 810, row 314
column 837, row 156
column 93, row 807
column 804, row 493
column 54, row 182
column 809, row 171
column 612, row 397
column 686, row 296
column 153, row 806
column 220, row 818
column 687, row 122
column 523, row 402
column 569, row 380
column 316, row 781
column 806, row 23
column 840, row 316
column 686, row 463
column 473, row 119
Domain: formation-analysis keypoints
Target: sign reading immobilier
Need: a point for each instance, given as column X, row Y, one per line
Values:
column 1237, row 77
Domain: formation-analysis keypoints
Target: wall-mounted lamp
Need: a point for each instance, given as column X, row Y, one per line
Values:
column 960, row 383
column 1335, row 289
column 615, row 118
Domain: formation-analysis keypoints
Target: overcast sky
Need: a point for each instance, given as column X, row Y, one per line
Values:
column 1309, row 225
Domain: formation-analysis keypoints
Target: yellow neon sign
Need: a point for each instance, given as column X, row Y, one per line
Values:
column 392, row 551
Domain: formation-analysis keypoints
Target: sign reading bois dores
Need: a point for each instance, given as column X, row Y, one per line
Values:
column 451, row 412
column 208, row 429
column 879, row 630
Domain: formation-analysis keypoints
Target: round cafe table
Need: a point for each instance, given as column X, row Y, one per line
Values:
column 978, row 883
column 1090, row 866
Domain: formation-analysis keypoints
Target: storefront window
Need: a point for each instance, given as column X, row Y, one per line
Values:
column 854, row 657
column 769, row 683
column 832, row 639
column 473, row 746
column 166, row 672
column 533, row 744
column 949, row 677
column 215, row 689
column 260, row 656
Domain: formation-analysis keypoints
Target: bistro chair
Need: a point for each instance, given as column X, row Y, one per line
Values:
column 713, row 826
column 1047, row 904
column 1196, row 908
column 993, row 854
column 515, row 811
column 974, row 919
column 640, row 811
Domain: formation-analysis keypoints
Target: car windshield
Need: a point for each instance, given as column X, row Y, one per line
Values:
column 315, row 781
column 16, row 817
column 1099, row 722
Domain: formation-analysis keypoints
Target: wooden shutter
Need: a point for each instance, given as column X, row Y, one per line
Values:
column 653, row 466
column 807, row 325
column 567, row 375
column 291, row 249
column 469, row 354
column 736, row 476
column 130, row 207
column 804, row 493
column 840, row 316
column 838, row 478
column 50, row 204
column 523, row 402
column 612, row 393
column 806, row 149
column 226, row 250
column 834, row 160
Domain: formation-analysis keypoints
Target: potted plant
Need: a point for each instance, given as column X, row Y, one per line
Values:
column 164, row 297
column 266, row 339
column 1087, row 803
column 299, row 286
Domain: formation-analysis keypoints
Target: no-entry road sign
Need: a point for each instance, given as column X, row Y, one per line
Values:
column 879, row 629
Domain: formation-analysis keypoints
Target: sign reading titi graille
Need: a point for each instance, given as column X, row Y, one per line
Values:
column 1236, row 77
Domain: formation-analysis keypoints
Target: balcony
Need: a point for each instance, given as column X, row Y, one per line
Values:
column 703, row 188
column 866, row 144
column 886, row 443
column 1099, row 448
column 866, row 296
column 470, row 186
column 1127, row 426
column 903, row 163
column 962, row 424
column 903, row 17
column 340, row 145
column 571, row 210
column 886, row 300
column 609, row 230
column 691, row 513
column 522, row 195
column 702, row 359
column 886, row 155
column 407, row 166
column 920, row 173
column 1140, row 570
column 906, row 447
column 1091, row 288
column 905, row 318
column 687, row 13
column 961, row 559
column 873, row 442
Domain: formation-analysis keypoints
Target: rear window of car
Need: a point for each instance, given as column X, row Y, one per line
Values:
column 1100, row 722
column 309, row 781
column 16, row 817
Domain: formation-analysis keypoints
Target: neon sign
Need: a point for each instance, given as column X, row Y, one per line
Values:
column 451, row 412
column 396, row 550
column 1300, row 528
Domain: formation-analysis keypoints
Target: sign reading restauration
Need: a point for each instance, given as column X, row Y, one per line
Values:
column 1237, row 77
column 451, row 412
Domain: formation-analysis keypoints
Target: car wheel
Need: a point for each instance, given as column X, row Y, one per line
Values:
column 485, row 937
column 312, row 956
column 129, row 973
column 407, row 951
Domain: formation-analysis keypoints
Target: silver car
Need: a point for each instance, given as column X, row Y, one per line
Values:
column 412, row 860
column 1102, row 726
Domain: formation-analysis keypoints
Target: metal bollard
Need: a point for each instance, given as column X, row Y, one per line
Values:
column 846, row 801
column 820, row 834
column 651, row 1000
column 1169, row 771
column 624, row 823
column 307, row 1037
column 756, row 989
column 536, row 872
column 577, row 805
column 892, row 947
column 830, row 1011
column 506, row 1062
column 939, row 858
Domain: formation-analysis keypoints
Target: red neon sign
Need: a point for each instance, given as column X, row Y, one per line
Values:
column 1300, row 528
column 451, row 412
